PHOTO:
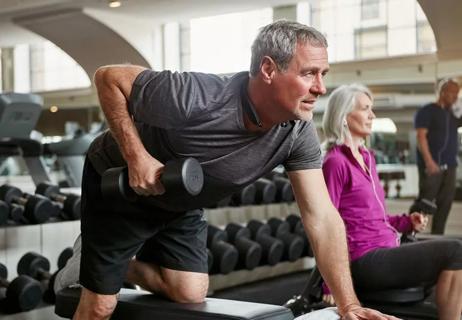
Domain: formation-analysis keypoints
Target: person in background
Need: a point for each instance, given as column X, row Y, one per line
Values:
column 437, row 146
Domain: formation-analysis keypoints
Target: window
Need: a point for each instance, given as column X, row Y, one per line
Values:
column 363, row 29
column 370, row 9
column 221, row 44
column 52, row 69
column 371, row 43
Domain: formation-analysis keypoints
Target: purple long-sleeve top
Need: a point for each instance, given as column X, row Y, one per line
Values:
column 360, row 200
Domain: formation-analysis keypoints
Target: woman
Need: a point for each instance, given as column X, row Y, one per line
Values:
column 377, row 259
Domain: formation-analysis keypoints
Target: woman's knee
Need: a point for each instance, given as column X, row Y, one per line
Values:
column 454, row 254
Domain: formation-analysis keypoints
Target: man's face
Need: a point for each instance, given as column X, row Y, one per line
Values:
column 296, row 89
column 449, row 94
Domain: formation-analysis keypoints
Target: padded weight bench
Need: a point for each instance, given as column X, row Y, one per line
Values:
column 142, row 305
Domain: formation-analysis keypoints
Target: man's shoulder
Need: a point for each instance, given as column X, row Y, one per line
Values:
column 429, row 107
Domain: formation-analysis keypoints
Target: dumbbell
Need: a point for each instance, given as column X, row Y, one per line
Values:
column 296, row 227
column 284, row 192
column 225, row 255
column 37, row 208
column 249, row 251
column 22, row 294
column 244, row 197
column 15, row 212
column 424, row 206
column 4, row 212
column 293, row 244
column 179, row 176
column 69, row 203
column 37, row 267
column 272, row 248
column 265, row 191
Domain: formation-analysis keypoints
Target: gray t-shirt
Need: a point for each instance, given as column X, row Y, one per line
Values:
column 201, row 115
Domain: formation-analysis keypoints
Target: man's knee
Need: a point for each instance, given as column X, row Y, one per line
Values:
column 188, row 295
column 192, row 290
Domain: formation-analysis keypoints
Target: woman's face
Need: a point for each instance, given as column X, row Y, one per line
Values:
column 360, row 119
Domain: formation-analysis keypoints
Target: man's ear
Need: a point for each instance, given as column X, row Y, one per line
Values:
column 268, row 69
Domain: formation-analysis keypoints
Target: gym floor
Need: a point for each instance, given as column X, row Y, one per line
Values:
column 454, row 227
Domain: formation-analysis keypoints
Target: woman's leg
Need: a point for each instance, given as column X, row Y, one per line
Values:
column 421, row 263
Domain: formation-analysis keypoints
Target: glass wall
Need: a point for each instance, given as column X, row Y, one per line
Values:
column 366, row 29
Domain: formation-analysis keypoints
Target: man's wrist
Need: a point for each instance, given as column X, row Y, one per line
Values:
column 342, row 310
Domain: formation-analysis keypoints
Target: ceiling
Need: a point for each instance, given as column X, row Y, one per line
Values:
column 158, row 10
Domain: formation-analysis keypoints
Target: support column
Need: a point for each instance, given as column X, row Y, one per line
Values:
column 7, row 61
column 285, row 12
column 185, row 46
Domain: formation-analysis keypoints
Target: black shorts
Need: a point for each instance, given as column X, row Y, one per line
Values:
column 114, row 231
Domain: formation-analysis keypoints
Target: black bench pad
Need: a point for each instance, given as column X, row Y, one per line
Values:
column 137, row 305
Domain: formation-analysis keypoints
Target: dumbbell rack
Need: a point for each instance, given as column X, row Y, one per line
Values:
column 47, row 239
column 241, row 215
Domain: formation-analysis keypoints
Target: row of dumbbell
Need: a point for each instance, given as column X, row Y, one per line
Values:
column 47, row 202
column 240, row 247
column 33, row 284
column 273, row 188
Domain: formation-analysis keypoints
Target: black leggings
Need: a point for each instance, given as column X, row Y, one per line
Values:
column 412, row 264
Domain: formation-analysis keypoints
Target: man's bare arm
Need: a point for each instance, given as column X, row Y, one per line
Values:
column 422, row 143
column 114, row 85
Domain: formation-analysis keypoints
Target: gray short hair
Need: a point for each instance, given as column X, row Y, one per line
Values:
column 340, row 103
column 278, row 40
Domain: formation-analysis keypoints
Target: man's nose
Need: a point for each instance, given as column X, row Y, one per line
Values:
column 318, row 85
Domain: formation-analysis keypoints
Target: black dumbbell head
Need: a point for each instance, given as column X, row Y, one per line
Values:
column 38, row 209
column 424, row 206
column 114, row 183
column 183, row 175
column 65, row 255
column 278, row 227
column 47, row 189
column 284, row 190
column 225, row 257
column 215, row 234
column 235, row 231
column 266, row 191
column 258, row 229
column 245, row 197
column 293, row 220
column 3, row 272
column 16, row 213
column 4, row 212
column 23, row 293
column 33, row 264
column 8, row 193
column 71, row 207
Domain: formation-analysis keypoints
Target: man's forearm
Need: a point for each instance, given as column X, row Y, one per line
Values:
column 422, row 144
column 329, row 244
column 114, row 103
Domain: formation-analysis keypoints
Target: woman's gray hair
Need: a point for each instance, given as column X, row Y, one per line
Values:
column 278, row 41
column 340, row 103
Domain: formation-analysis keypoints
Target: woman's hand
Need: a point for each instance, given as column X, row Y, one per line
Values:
column 419, row 221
